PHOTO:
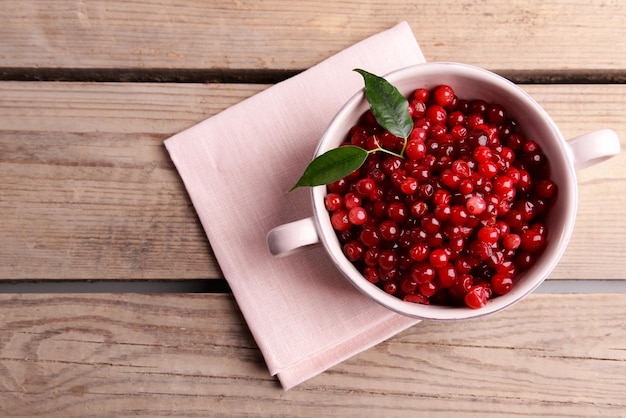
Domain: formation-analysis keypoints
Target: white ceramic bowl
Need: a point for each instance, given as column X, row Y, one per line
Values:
column 469, row 82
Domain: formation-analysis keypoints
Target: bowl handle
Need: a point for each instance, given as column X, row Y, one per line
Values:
column 593, row 147
column 286, row 238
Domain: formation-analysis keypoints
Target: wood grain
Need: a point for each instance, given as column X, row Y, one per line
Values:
column 192, row 355
column 288, row 35
column 88, row 190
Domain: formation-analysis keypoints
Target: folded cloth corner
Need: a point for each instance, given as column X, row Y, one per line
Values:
column 237, row 166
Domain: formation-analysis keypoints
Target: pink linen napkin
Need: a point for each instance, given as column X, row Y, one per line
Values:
column 237, row 167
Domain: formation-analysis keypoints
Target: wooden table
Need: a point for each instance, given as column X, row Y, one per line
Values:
column 113, row 303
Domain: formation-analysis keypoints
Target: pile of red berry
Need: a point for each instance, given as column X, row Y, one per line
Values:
column 457, row 214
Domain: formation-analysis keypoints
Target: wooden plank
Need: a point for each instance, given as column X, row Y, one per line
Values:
column 288, row 35
column 192, row 355
column 88, row 190
column 598, row 234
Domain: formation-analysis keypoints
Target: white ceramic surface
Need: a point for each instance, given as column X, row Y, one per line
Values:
column 469, row 82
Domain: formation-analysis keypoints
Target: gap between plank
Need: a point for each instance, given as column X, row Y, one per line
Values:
column 115, row 286
column 220, row 286
column 265, row 76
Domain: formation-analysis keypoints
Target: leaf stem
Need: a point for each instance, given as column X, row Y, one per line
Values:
column 395, row 154
column 406, row 141
column 379, row 148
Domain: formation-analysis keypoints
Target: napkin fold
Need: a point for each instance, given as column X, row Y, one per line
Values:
column 237, row 167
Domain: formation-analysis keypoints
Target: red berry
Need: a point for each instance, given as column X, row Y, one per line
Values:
column 511, row 242
column 496, row 114
column 418, row 209
column 482, row 154
column 450, row 179
column 458, row 132
column 436, row 114
column 419, row 252
column 422, row 273
column 487, row 169
column 387, row 259
column 421, row 94
column 397, row 211
column 353, row 250
column 369, row 236
column 370, row 256
column 466, row 186
column 515, row 220
column 524, row 181
column 476, row 297
column 416, row 298
column 339, row 220
column 438, row 258
column 462, row 169
column 532, row 241
column 333, row 201
column 357, row 216
column 364, row 187
column 430, row 224
column 417, row 134
column 475, row 205
column 524, row 260
column 480, row 250
column 391, row 287
column 409, row 185
column 456, row 243
column 388, row 230
column 416, row 108
column 435, row 239
column 530, row 147
column 456, row 118
column 458, row 215
column 408, row 285
column 443, row 95
column 391, row 164
column 442, row 197
column 488, row 234
column 339, row 186
column 352, row 200
column 502, row 185
column 478, row 106
column 442, row 212
column 446, row 276
column 545, row 188
column 371, row 274
column 501, row 283
column 428, row 289
column 473, row 120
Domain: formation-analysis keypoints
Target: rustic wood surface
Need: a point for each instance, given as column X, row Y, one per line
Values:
column 88, row 92
column 115, row 208
column 191, row 355
column 283, row 34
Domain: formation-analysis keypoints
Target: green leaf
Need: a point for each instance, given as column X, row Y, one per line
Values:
column 332, row 166
column 389, row 106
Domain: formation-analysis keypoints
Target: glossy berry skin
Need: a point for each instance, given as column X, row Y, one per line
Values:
column 501, row 283
column 443, row 95
column 333, row 202
column 476, row 297
column 415, row 149
column 357, row 216
column 459, row 216
column 476, row 205
column 438, row 258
